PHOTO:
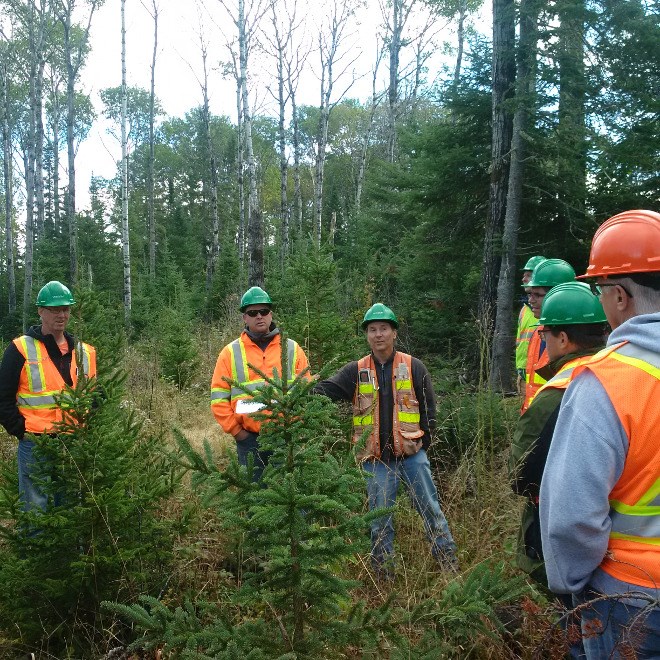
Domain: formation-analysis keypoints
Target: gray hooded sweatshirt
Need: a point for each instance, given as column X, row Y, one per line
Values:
column 586, row 459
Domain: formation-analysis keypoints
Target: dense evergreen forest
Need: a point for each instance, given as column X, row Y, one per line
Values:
column 428, row 195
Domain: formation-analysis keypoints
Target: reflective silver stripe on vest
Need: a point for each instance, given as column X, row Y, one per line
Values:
column 291, row 356
column 251, row 387
column 217, row 396
column 36, row 401
column 85, row 357
column 655, row 501
column 635, row 525
column 240, row 375
column 562, row 375
column 630, row 350
column 33, row 364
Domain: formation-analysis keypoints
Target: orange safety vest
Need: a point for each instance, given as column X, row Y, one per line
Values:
column 406, row 430
column 562, row 379
column 534, row 362
column 41, row 383
column 631, row 377
column 233, row 364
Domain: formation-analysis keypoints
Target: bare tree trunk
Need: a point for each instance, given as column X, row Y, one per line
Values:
column 124, row 176
column 503, row 338
column 29, row 160
column 39, row 144
column 396, row 29
column 55, row 119
column 571, row 129
column 329, row 52
column 74, row 49
column 255, row 236
column 240, row 167
column 375, row 99
column 460, row 37
column 152, row 155
column 502, row 87
column 284, row 163
column 28, row 260
column 297, row 188
column 7, row 171
column 214, row 251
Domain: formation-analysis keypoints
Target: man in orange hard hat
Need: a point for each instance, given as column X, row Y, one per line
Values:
column 600, row 493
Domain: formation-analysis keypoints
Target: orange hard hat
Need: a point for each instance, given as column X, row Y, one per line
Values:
column 626, row 243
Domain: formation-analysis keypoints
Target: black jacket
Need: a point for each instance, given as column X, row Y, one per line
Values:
column 341, row 387
column 10, row 374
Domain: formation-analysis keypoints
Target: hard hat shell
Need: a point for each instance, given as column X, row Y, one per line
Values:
column 533, row 262
column 379, row 312
column 54, row 294
column 626, row 243
column 255, row 296
column 571, row 303
column 551, row 272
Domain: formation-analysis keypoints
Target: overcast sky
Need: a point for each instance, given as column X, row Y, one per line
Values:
column 179, row 65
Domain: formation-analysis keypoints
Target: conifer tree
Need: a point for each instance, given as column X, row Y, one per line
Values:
column 297, row 528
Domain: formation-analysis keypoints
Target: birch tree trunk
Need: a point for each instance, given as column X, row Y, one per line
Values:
column 329, row 52
column 152, row 155
column 126, row 252
column 7, row 172
column 255, row 236
column 502, row 87
column 55, row 122
column 504, row 337
column 214, row 251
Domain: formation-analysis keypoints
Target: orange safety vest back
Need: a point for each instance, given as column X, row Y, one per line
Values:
column 631, row 377
column 562, row 379
column 40, row 382
column 406, row 430
column 534, row 362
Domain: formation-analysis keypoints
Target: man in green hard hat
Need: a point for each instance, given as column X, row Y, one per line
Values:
column 546, row 274
column 259, row 346
column 526, row 323
column 394, row 408
column 35, row 369
column 574, row 327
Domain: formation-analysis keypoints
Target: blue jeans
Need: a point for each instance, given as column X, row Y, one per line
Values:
column 250, row 446
column 614, row 629
column 29, row 493
column 382, row 484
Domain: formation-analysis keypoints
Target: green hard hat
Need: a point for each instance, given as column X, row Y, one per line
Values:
column 54, row 294
column 571, row 303
column 379, row 312
column 551, row 272
column 533, row 262
column 255, row 296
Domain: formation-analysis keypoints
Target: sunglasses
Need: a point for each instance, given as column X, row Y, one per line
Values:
column 596, row 288
column 258, row 312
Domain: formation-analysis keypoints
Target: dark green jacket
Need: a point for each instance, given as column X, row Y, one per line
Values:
column 529, row 451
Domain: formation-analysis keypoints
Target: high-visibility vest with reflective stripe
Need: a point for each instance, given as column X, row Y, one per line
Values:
column 631, row 377
column 241, row 356
column 40, row 382
column 526, row 323
column 533, row 381
column 562, row 379
column 366, row 406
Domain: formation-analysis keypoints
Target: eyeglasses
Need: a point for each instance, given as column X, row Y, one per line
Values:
column 535, row 295
column 258, row 312
column 596, row 288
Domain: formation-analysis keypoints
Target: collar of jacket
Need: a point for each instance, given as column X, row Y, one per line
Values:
column 48, row 340
column 553, row 368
